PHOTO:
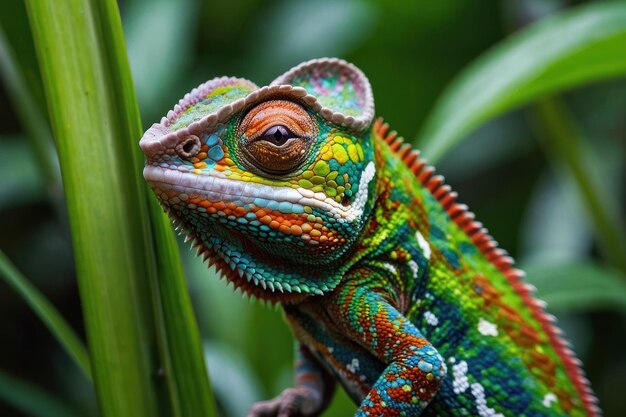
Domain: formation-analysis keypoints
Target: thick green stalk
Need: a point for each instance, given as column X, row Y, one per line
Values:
column 135, row 331
column 565, row 144
column 105, row 204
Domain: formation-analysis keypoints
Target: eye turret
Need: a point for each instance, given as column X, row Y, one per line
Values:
column 276, row 136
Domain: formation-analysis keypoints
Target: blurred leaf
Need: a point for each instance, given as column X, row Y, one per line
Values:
column 33, row 121
column 579, row 46
column 160, row 37
column 289, row 32
column 579, row 286
column 565, row 146
column 555, row 226
column 30, row 399
column 229, row 369
column 484, row 149
column 19, row 182
column 57, row 325
column 14, row 23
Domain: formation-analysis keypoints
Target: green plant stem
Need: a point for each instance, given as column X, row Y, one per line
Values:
column 566, row 145
column 48, row 314
column 95, row 121
column 146, row 352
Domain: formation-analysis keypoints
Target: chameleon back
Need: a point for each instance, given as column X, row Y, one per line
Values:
column 471, row 304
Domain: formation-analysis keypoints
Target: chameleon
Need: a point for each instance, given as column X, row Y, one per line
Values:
column 300, row 197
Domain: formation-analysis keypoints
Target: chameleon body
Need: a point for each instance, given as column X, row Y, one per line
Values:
column 300, row 197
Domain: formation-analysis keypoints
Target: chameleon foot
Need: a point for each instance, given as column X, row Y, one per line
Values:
column 293, row 402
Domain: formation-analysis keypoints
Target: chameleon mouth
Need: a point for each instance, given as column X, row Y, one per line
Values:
column 214, row 187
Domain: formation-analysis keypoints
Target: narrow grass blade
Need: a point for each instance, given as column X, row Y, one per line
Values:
column 579, row 46
column 34, row 123
column 187, row 364
column 30, row 399
column 57, row 325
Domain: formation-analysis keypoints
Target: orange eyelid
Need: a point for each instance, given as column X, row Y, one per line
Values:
column 273, row 113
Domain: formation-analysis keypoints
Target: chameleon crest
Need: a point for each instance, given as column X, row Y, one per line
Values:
column 390, row 286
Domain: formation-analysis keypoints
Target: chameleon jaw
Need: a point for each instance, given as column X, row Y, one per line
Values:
column 254, row 272
column 176, row 186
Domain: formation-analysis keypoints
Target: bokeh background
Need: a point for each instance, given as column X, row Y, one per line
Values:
column 410, row 50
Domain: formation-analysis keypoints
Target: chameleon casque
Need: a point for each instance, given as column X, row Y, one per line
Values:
column 299, row 197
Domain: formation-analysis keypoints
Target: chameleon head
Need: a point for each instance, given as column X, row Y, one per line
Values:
column 275, row 183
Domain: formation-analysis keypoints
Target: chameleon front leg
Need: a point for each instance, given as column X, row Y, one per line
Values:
column 414, row 369
column 312, row 392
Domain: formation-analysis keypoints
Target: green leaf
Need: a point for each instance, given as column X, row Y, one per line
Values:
column 30, row 399
column 173, row 43
column 107, row 214
column 578, row 286
column 135, row 332
column 47, row 313
column 576, row 47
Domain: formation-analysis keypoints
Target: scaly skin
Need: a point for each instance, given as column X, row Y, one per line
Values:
column 389, row 285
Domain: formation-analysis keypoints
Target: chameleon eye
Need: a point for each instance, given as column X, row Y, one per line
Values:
column 275, row 137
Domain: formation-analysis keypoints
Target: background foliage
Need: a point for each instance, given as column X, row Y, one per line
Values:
column 531, row 175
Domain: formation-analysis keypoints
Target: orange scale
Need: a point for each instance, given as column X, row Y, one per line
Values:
column 284, row 229
column 220, row 205
column 211, row 210
column 265, row 219
column 240, row 211
column 274, row 224
column 296, row 230
column 206, row 204
column 260, row 213
column 220, row 168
